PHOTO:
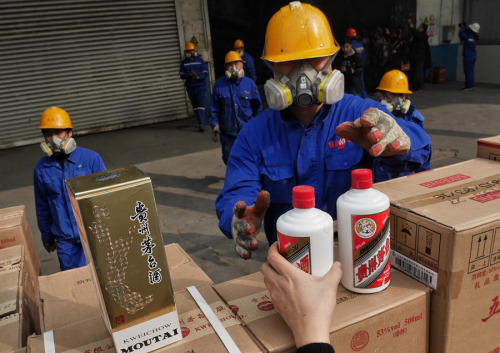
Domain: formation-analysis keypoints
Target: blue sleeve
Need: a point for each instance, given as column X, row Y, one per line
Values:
column 255, row 100
column 462, row 34
column 43, row 215
column 242, row 181
column 250, row 68
column 98, row 164
column 203, row 69
column 182, row 71
column 215, row 110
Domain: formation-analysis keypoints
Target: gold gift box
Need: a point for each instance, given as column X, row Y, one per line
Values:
column 119, row 229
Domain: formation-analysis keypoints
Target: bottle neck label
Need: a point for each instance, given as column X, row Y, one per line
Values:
column 371, row 250
column 297, row 250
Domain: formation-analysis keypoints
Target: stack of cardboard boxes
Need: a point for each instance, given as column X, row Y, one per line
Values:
column 19, row 270
column 445, row 234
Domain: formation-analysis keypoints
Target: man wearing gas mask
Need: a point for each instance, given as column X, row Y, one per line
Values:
column 194, row 72
column 312, row 134
column 248, row 62
column 63, row 160
column 235, row 100
column 393, row 93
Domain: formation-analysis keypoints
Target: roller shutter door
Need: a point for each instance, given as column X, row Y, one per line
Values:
column 110, row 64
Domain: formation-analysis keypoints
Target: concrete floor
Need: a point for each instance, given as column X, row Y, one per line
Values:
column 187, row 171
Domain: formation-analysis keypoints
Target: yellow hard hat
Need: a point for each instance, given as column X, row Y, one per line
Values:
column 298, row 31
column 232, row 56
column 394, row 81
column 55, row 118
column 238, row 43
column 190, row 46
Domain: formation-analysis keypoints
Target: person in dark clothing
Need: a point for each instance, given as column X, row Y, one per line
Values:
column 379, row 56
column 399, row 51
column 351, row 65
column 418, row 53
column 468, row 35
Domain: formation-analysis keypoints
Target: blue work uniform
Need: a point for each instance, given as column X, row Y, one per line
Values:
column 233, row 104
column 249, row 66
column 379, row 173
column 196, row 88
column 469, row 54
column 54, row 214
column 275, row 152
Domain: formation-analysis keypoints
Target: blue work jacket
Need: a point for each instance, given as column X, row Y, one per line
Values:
column 249, row 66
column 53, row 209
column 275, row 152
column 469, row 39
column 197, row 65
column 233, row 104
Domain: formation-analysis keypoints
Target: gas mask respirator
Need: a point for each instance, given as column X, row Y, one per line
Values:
column 234, row 73
column 304, row 86
column 190, row 54
column 397, row 105
column 57, row 146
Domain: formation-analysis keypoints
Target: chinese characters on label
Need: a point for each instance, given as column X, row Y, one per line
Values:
column 141, row 215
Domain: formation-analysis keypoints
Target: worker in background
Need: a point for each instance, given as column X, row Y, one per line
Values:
column 63, row 160
column 312, row 134
column 393, row 93
column 248, row 63
column 235, row 100
column 469, row 37
column 194, row 72
column 352, row 36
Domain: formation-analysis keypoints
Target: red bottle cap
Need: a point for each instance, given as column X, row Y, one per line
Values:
column 303, row 196
column 361, row 178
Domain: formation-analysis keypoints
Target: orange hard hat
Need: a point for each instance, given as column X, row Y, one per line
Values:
column 190, row 46
column 231, row 57
column 394, row 81
column 238, row 43
column 55, row 118
column 298, row 31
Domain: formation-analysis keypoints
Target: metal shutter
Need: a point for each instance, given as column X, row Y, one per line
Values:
column 110, row 64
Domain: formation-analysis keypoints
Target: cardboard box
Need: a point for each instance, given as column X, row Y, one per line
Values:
column 15, row 322
column 67, row 297
column 70, row 296
column 199, row 336
column 15, row 230
column 445, row 231
column 90, row 335
column 118, row 223
column 393, row 320
column 184, row 272
column 489, row 148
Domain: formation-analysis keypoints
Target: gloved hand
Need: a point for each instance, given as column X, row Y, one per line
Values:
column 377, row 132
column 215, row 131
column 50, row 246
column 246, row 224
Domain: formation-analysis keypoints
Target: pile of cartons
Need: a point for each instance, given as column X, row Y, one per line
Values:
column 19, row 270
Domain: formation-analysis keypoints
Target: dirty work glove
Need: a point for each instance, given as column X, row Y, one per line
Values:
column 50, row 246
column 377, row 132
column 215, row 131
column 246, row 224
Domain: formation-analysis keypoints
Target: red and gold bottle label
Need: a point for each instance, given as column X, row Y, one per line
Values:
column 297, row 250
column 371, row 250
